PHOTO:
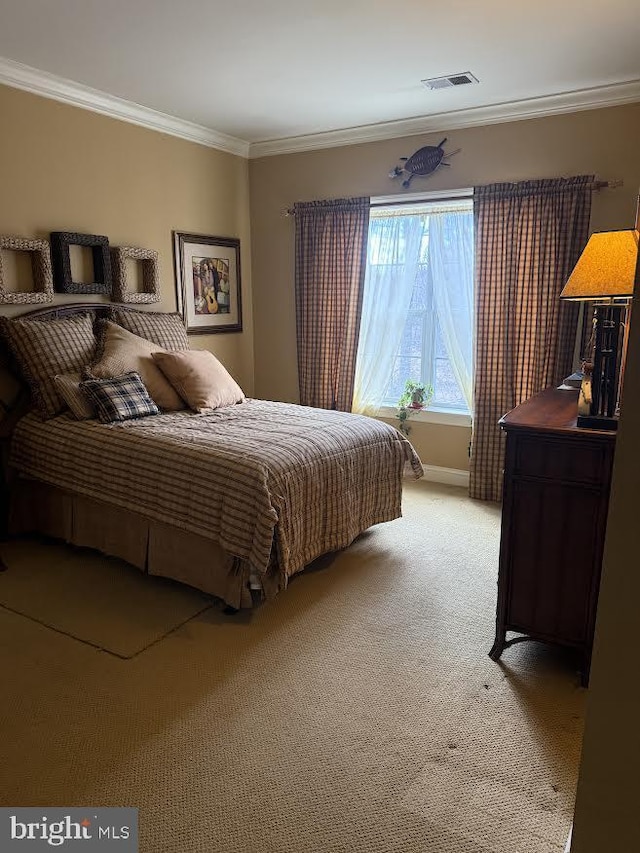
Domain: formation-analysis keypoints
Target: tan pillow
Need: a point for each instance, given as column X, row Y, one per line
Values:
column 124, row 352
column 199, row 378
column 68, row 386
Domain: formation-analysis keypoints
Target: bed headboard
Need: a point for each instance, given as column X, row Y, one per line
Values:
column 55, row 312
column 14, row 394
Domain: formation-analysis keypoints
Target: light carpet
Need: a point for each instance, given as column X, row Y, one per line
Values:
column 99, row 600
column 356, row 712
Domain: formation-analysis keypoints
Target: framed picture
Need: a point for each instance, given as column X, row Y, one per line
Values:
column 208, row 282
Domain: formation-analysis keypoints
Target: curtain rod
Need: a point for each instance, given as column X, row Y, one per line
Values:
column 612, row 185
column 451, row 195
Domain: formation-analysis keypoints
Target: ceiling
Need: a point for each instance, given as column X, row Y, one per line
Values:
column 274, row 69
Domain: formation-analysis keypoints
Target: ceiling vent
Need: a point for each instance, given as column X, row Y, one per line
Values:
column 462, row 79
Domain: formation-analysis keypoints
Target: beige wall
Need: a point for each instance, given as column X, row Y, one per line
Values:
column 609, row 787
column 604, row 142
column 438, row 444
column 66, row 169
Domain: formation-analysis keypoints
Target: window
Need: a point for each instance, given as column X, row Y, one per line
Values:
column 417, row 317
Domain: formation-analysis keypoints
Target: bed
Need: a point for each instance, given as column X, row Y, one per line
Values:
column 227, row 500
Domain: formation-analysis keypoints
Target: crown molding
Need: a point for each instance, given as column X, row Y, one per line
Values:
column 47, row 85
column 20, row 76
column 598, row 97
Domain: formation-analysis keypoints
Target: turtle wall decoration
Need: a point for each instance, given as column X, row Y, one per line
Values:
column 422, row 163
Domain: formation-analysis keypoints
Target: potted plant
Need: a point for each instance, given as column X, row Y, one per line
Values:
column 416, row 396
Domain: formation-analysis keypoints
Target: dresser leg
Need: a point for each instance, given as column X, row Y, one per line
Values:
column 585, row 669
column 498, row 645
column 4, row 522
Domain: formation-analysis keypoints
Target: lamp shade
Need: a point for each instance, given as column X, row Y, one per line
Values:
column 606, row 268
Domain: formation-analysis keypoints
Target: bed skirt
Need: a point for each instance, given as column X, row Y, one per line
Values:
column 151, row 546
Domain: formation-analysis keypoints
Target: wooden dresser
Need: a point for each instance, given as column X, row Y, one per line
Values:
column 556, row 495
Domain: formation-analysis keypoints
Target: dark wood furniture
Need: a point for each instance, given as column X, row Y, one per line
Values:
column 556, row 495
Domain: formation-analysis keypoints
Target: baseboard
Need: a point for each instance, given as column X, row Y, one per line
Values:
column 448, row 476
column 567, row 849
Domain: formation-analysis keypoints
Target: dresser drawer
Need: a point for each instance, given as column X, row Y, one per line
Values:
column 572, row 460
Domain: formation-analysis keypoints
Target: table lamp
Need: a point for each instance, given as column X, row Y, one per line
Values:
column 605, row 275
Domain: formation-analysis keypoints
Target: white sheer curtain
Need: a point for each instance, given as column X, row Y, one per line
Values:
column 393, row 256
column 452, row 265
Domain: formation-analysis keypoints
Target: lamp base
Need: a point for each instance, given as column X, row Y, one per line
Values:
column 597, row 422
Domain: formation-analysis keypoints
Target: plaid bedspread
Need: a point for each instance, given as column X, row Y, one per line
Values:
column 245, row 476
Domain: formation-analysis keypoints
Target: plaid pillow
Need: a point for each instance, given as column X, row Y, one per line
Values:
column 119, row 399
column 166, row 330
column 44, row 349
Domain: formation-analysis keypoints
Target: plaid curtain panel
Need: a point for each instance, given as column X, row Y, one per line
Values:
column 119, row 399
column 330, row 259
column 528, row 236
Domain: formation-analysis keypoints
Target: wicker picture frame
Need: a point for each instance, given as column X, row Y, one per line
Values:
column 40, row 266
column 150, row 275
column 62, row 278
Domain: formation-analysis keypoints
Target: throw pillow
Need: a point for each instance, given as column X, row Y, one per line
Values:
column 119, row 399
column 124, row 352
column 69, row 387
column 199, row 378
column 45, row 349
column 166, row 330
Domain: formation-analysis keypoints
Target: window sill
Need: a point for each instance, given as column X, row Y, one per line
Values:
column 445, row 417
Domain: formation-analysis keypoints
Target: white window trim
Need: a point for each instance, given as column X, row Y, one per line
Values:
column 416, row 198
column 444, row 417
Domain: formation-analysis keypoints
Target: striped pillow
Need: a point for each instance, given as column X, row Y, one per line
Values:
column 45, row 348
column 119, row 399
column 69, row 387
column 166, row 330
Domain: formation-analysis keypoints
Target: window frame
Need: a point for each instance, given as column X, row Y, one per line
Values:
column 434, row 413
column 444, row 417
